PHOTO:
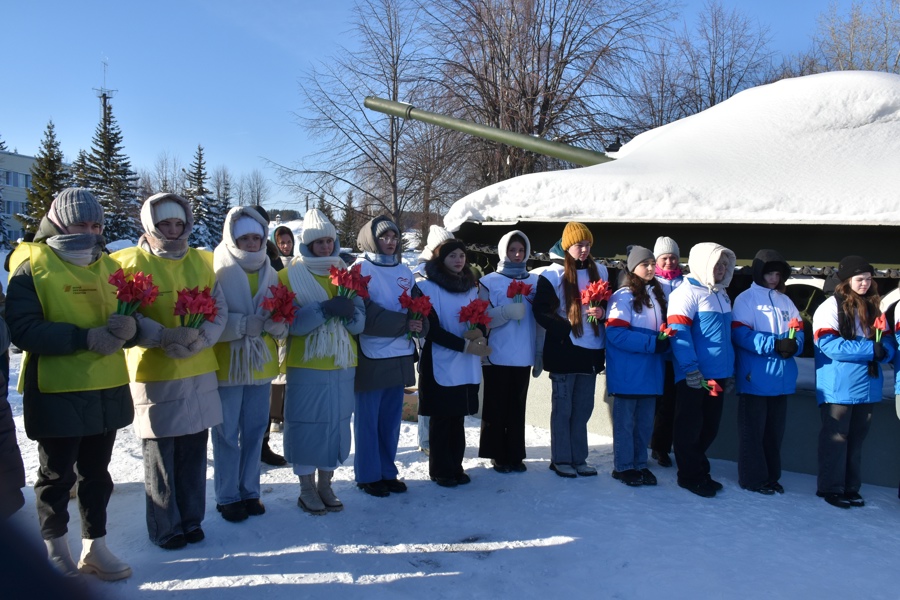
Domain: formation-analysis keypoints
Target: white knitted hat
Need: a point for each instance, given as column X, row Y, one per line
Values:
column 167, row 209
column 665, row 245
column 245, row 225
column 437, row 235
column 316, row 226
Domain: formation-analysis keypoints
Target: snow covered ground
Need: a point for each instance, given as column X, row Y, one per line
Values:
column 519, row 535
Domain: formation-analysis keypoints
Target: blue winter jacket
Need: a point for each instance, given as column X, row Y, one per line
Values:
column 702, row 321
column 762, row 316
column 632, row 366
column 842, row 366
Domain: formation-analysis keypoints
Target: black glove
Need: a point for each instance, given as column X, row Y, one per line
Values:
column 339, row 306
column 879, row 352
column 786, row 347
column 662, row 345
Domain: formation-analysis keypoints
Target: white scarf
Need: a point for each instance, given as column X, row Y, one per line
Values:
column 331, row 338
column 247, row 354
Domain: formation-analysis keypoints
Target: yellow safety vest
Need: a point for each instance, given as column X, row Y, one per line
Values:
column 297, row 344
column 194, row 269
column 81, row 296
column 223, row 349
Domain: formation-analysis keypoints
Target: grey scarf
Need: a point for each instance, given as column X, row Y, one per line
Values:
column 79, row 249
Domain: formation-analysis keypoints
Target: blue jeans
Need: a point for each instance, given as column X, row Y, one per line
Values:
column 632, row 427
column 237, row 441
column 376, row 428
column 572, row 403
column 424, row 442
column 175, row 484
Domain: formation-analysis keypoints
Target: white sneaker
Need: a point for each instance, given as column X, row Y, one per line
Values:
column 96, row 559
column 276, row 427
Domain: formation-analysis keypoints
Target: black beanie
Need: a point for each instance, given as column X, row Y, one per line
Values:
column 853, row 265
column 444, row 250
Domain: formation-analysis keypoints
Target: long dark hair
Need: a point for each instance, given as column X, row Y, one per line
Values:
column 640, row 290
column 572, row 294
column 852, row 308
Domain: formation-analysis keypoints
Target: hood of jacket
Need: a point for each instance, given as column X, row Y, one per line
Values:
column 278, row 231
column 147, row 215
column 766, row 261
column 702, row 261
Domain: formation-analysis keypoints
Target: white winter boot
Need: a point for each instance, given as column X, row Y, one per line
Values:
column 323, row 486
column 309, row 499
column 60, row 557
column 96, row 559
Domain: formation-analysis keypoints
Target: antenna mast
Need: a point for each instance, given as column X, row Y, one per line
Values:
column 104, row 93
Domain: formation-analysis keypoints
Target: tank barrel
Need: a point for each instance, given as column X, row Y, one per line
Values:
column 572, row 154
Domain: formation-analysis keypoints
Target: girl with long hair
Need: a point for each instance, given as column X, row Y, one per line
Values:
column 848, row 379
column 635, row 361
column 574, row 347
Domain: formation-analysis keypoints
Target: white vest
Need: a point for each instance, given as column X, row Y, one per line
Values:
column 451, row 368
column 513, row 342
column 385, row 288
column 589, row 340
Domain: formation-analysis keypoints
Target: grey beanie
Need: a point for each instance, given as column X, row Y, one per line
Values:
column 386, row 225
column 75, row 205
column 637, row 255
column 665, row 245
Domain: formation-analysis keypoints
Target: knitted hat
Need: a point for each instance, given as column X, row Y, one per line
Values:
column 574, row 233
column 245, row 225
column 665, row 245
column 638, row 255
column 444, row 250
column 436, row 236
column 386, row 225
column 316, row 226
column 853, row 265
column 168, row 209
column 74, row 205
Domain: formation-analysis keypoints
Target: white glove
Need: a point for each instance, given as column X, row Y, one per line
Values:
column 277, row 330
column 253, row 325
column 514, row 311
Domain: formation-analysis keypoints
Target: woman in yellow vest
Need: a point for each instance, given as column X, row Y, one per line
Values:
column 248, row 362
column 173, row 373
column 61, row 311
column 321, row 366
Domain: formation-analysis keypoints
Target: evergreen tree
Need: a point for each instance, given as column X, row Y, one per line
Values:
column 113, row 181
column 200, row 197
column 348, row 228
column 4, row 242
column 326, row 209
column 80, row 173
column 3, row 147
column 48, row 178
column 220, row 205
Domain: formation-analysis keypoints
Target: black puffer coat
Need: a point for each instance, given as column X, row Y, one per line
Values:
column 12, row 471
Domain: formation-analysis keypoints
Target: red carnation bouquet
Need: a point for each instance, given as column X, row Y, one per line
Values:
column 595, row 293
column 665, row 332
column 418, row 308
column 195, row 306
column 795, row 325
column 133, row 291
column 712, row 386
column 474, row 313
column 280, row 304
column 881, row 326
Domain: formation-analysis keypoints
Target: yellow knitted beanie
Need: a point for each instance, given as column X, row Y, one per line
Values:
column 574, row 233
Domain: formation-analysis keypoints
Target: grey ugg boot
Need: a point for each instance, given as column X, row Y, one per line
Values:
column 60, row 557
column 332, row 503
column 96, row 559
column 309, row 499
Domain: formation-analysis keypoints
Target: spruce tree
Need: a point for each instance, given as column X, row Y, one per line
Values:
column 113, row 181
column 80, row 173
column 220, row 205
column 3, row 147
column 348, row 228
column 48, row 178
column 199, row 196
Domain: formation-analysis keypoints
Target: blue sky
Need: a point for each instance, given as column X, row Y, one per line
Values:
column 221, row 73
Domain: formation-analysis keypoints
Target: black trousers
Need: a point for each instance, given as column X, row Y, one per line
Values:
column 844, row 429
column 447, row 438
column 276, row 407
column 664, row 417
column 503, row 413
column 761, row 422
column 697, row 416
column 63, row 461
